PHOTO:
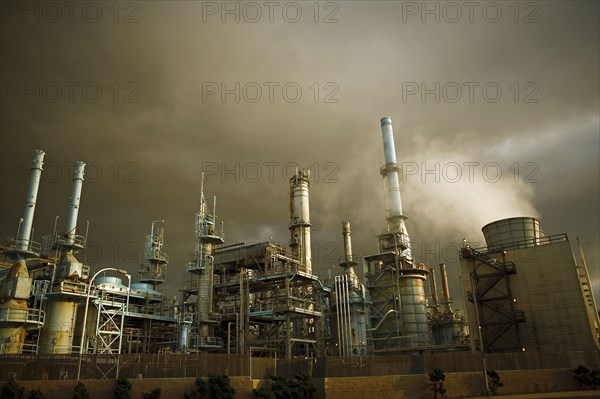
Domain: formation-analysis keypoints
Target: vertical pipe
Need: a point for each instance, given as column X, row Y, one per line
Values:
column 348, row 315
column 433, row 286
column 30, row 200
column 74, row 201
column 342, row 310
column 338, row 314
column 445, row 287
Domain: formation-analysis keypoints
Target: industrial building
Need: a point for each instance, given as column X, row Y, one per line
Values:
column 525, row 290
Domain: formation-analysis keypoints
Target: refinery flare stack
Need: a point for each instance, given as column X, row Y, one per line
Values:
column 524, row 291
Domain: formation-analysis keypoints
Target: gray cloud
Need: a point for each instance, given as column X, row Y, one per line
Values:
column 150, row 153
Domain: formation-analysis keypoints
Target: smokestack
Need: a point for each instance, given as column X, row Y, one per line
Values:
column 74, row 201
column 433, row 286
column 347, row 241
column 445, row 287
column 390, row 174
column 29, row 206
column 300, row 218
column 393, row 203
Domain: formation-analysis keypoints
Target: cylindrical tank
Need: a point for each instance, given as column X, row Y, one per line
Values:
column 57, row 335
column 501, row 233
column 184, row 338
column 110, row 284
column 415, row 325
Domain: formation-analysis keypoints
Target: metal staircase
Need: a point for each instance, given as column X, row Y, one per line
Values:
column 491, row 293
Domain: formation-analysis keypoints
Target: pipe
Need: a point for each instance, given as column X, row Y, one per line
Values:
column 383, row 319
column 74, row 201
column 445, row 287
column 29, row 206
column 433, row 286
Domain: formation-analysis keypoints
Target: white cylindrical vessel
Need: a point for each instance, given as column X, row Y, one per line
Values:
column 74, row 201
column 29, row 206
column 300, row 218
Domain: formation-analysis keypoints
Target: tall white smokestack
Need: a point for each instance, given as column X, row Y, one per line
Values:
column 74, row 201
column 29, row 206
column 393, row 203
column 393, row 211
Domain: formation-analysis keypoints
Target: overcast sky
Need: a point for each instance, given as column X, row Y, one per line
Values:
column 495, row 109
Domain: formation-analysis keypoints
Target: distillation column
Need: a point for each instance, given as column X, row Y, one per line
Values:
column 154, row 270
column 202, row 264
column 15, row 315
column 300, row 219
column 57, row 335
column 349, row 304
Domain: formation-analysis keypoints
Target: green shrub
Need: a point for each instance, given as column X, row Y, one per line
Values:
column 494, row 382
column 298, row 387
column 123, row 389
column 81, row 391
column 155, row 394
column 587, row 378
column 36, row 394
column 220, row 387
column 201, row 391
column 12, row 389
column 437, row 377
column 263, row 393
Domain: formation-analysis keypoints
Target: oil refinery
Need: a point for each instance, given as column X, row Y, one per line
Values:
column 523, row 290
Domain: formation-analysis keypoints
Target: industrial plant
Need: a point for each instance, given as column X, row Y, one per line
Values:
column 524, row 291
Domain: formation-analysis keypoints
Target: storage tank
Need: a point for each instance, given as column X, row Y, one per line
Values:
column 415, row 323
column 504, row 232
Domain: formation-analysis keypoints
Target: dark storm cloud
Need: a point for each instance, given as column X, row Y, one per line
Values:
column 155, row 127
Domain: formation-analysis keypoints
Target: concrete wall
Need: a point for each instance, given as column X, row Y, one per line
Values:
column 458, row 385
column 171, row 388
